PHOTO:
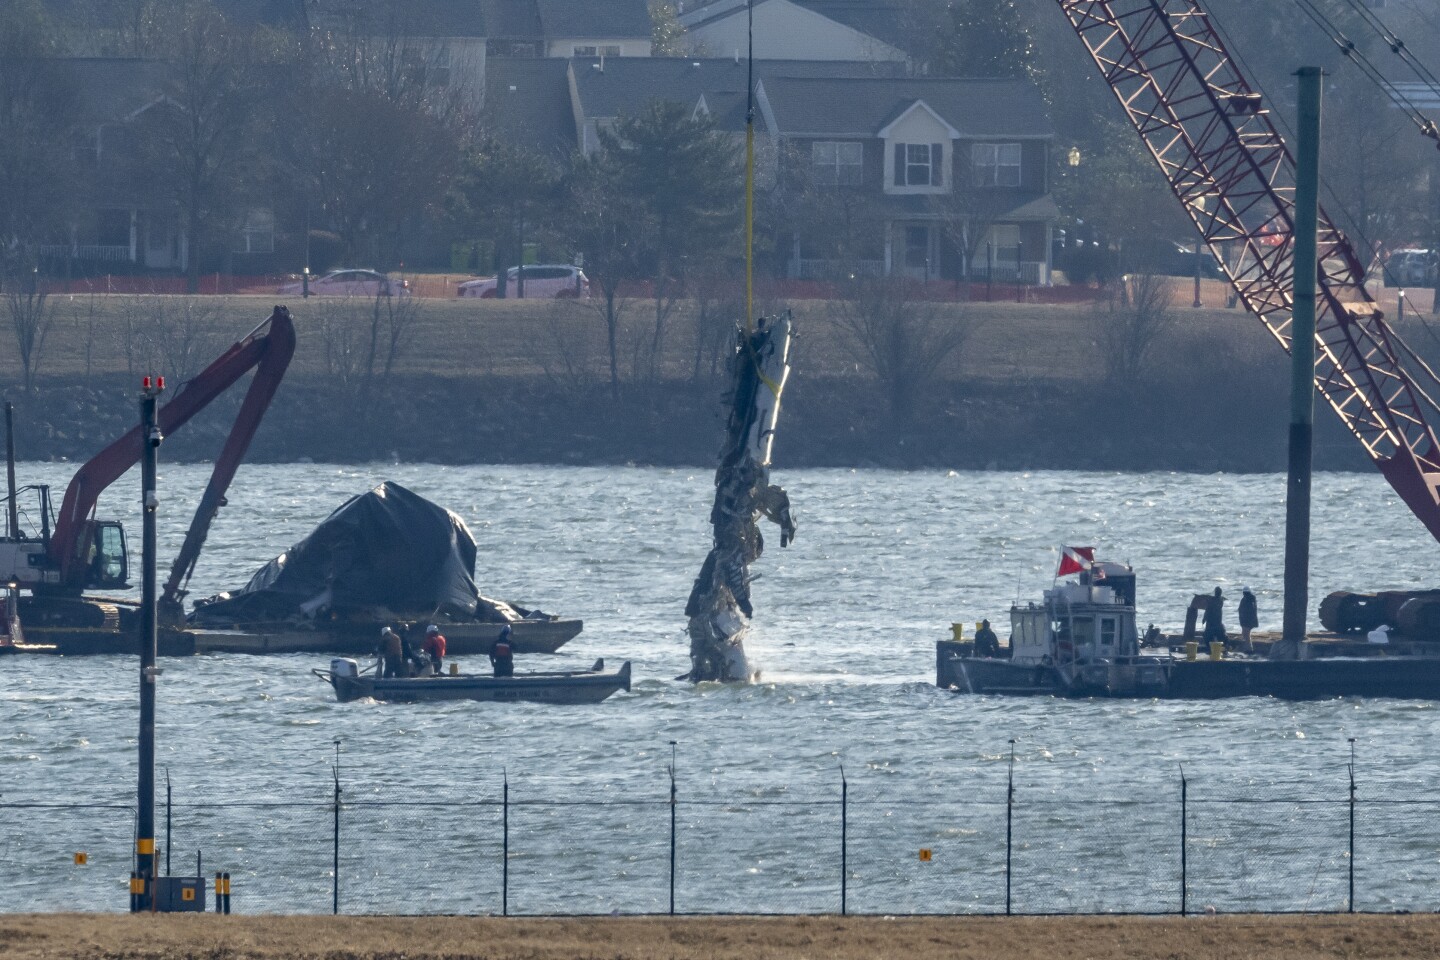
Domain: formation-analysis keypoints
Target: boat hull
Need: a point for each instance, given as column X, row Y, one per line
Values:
column 1405, row 677
column 553, row 688
column 358, row 639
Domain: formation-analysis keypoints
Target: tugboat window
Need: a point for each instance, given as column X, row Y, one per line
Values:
column 1107, row 631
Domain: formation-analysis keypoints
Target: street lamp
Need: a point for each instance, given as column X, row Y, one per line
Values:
column 305, row 282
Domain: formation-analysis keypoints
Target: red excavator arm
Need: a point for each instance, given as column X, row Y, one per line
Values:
column 269, row 353
column 1204, row 124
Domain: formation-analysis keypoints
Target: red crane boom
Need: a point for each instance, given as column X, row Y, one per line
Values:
column 270, row 355
column 1227, row 164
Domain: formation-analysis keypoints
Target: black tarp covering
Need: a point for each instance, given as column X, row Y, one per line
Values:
column 388, row 548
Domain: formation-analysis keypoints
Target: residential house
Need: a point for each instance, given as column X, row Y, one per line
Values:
column 527, row 101
column 121, row 225
column 800, row 29
column 941, row 178
column 567, row 28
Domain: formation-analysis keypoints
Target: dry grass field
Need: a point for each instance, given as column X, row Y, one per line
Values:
column 108, row 334
column 207, row 937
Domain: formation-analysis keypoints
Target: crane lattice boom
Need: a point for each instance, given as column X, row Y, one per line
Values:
column 1228, row 165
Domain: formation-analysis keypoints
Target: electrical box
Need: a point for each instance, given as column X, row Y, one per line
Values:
column 180, row 894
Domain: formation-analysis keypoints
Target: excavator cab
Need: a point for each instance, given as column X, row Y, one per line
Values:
column 110, row 565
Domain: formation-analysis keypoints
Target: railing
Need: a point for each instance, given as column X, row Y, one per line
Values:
column 115, row 253
column 1011, row 845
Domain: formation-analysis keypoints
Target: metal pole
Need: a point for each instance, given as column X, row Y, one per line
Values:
column 335, row 843
column 1019, row 271
column 1009, row 823
column 145, row 794
column 672, row 827
column 168, row 843
column 1352, row 826
column 13, row 512
column 1184, row 852
column 1199, row 249
column 749, row 165
column 1302, row 365
column 844, row 841
column 505, row 847
column 989, row 267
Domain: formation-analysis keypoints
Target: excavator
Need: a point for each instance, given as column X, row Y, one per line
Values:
column 73, row 551
column 1211, row 132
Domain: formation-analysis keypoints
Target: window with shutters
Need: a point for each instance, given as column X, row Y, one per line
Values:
column 918, row 165
column 996, row 164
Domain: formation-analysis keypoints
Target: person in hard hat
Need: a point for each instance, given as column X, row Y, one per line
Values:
column 1249, row 617
column 502, row 657
column 1214, row 618
column 434, row 646
column 987, row 644
column 392, row 652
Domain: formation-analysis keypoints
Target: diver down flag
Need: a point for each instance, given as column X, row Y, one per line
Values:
column 1075, row 560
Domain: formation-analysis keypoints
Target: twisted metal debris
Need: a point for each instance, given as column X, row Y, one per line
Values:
column 719, row 608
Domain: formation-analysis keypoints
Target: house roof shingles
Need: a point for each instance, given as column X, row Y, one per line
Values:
column 626, row 84
column 595, row 19
column 842, row 106
column 536, row 113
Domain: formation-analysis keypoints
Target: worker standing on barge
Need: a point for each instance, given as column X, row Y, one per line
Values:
column 987, row 644
column 1249, row 617
column 502, row 657
column 434, row 647
column 1214, row 618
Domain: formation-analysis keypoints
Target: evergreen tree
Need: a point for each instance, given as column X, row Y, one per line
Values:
column 667, row 36
column 981, row 38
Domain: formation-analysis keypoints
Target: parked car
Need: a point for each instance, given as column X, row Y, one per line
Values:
column 542, row 280
column 350, row 283
column 1410, row 268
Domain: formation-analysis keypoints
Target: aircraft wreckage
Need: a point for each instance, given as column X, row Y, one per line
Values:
column 719, row 609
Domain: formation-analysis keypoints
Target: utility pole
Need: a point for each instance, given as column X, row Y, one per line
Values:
column 1304, row 270
column 13, row 511
column 145, row 795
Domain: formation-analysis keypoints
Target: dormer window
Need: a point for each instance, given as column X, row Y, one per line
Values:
column 919, row 164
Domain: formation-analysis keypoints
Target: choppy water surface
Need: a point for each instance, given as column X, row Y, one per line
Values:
column 846, row 622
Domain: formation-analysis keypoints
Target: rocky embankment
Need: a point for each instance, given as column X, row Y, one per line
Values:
column 1238, row 426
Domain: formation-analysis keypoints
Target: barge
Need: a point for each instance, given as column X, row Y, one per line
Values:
column 1081, row 640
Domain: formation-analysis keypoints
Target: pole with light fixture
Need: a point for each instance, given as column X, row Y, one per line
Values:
column 142, row 890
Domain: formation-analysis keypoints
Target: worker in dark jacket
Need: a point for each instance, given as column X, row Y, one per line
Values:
column 502, row 658
column 1249, row 617
column 392, row 653
column 986, row 643
column 1214, row 618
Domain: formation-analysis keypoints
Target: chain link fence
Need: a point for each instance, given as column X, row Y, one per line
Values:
column 535, row 848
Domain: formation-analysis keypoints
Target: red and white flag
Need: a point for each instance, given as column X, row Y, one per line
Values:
column 1075, row 560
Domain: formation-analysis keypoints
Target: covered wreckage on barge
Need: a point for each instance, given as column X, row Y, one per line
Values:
column 1082, row 640
column 385, row 557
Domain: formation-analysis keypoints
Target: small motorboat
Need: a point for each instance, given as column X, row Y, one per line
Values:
column 563, row 687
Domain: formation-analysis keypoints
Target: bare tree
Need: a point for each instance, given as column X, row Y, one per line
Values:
column 340, row 328
column 31, row 317
column 183, row 331
column 392, row 320
column 1131, row 321
column 903, row 342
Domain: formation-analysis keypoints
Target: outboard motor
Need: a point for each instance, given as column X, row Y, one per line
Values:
column 343, row 668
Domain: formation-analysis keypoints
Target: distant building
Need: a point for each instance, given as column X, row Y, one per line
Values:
column 567, row 28
column 947, row 178
column 800, row 29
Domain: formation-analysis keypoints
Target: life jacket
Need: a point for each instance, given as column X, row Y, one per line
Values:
column 502, row 650
column 435, row 644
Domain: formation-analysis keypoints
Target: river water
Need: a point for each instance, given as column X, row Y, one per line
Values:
column 845, row 630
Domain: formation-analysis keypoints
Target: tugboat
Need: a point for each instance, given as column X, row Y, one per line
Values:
column 1081, row 641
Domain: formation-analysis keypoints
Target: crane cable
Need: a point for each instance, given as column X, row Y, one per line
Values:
column 1397, row 46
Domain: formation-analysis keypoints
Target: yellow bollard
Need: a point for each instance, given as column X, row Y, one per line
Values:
column 1192, row 649
column 1217, row 650
column 957, row 632
column 454, row 669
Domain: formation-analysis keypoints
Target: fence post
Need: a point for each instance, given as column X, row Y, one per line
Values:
column 1352, row 826
column 1184, row 850
column 844, row 841
column 672, row 827
column 505, row 846
column 1009, row 823
column 335, row 840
